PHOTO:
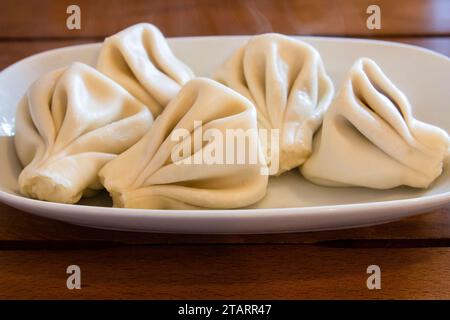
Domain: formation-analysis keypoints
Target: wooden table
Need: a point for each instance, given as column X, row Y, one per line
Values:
column 413, row 254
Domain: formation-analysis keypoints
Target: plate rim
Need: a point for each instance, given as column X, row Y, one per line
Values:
column 301, row 37
column 427, row 200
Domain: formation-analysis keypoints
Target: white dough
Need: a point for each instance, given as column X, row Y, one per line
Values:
column 370, row 138
column 139, row 59
column 286, row 80
column 146, row 175
column 68, row 125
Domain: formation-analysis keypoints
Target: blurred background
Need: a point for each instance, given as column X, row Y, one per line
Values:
column 31, row 26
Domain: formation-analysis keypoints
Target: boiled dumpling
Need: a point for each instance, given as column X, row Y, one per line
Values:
column 286, row 80
column 183, row 161
column 68, row 125
column 370, row 138
column 140, row 60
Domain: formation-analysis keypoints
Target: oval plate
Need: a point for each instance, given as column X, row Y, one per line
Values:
column 292, row 204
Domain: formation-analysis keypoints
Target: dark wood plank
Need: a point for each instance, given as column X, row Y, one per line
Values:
column 226, row 272
column 47, row 18
column 13, row 50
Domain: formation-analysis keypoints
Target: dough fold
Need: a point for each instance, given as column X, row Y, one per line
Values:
column 190, row 156
column 140, row 60
column 286, row 80
column 370, row 138
column 68, row 125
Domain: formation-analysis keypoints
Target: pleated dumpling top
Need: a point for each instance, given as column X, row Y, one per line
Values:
column 190, row 156
column 370, row 137
column 286, row 80
column 139, row 59
column 68, row 125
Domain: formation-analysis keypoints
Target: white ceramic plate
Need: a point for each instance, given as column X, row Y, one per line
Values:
column 291, row 204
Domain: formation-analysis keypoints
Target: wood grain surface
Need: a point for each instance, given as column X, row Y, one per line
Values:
column 227, row 272
column 46, row 19
column 413, row 253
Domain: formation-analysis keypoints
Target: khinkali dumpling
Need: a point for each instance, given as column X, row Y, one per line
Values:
column 286, row 80
column 369, row 137
column 170, row 168
column 140, row 60
column 68, row 125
